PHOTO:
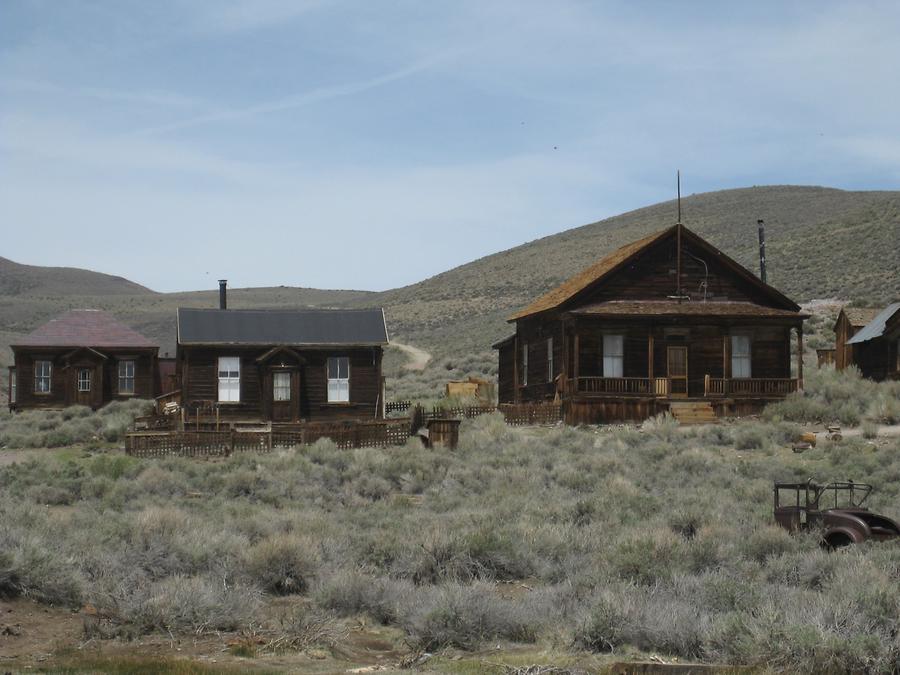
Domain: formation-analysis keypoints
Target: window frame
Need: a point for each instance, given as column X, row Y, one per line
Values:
column 40, row 377
column 125, row 378
column 339, row 386
column 741, row 357
column 79, row 382
column 281, row 393
column 524, row 364
column 616, row 360
column 550, row 359
column 13, row 385
column 232, row 381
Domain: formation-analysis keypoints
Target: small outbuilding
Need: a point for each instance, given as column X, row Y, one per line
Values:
column 850, row 320
column 875, row 349
column 84, row 357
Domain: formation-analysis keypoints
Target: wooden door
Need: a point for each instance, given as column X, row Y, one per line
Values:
column 677, row 371
column 284, row 395
column 82, row 383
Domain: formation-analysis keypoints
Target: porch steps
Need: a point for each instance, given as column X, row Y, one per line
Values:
column 693, row 412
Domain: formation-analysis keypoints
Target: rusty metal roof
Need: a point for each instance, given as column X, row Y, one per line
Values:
column 875, row 328
column 860, row 316
column 85, row 328
column 588, row 276
column 673, row 308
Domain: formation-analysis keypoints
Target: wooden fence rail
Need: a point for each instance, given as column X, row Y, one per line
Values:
column 223, row 443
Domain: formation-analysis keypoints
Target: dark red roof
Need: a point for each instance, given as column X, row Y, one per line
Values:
column 84, row 328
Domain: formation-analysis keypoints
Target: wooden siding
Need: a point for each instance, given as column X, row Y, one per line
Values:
column 104, row 382
column 199, row 382
column 652, row 276
column 506, row 391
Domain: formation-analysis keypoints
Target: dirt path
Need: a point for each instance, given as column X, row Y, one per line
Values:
column 418, row 358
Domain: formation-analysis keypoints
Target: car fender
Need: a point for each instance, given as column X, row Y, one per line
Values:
column 844, row 523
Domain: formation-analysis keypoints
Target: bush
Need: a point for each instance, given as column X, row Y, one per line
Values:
column 283, row 564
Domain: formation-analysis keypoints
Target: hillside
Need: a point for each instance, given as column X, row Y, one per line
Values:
column 30, row 280
column 821, row 243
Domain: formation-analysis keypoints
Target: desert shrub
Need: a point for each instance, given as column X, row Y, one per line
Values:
column 196, row 604
column 465, row 616
column 283, row 564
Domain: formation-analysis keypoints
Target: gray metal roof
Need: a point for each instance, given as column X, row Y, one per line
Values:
column 875, row 328
column 297, row 327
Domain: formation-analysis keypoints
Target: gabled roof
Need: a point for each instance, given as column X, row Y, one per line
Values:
column 588, row 276
column 875, row 328
column 270, row 327
column 85, row 328
column 859, row 316
column 619, row 258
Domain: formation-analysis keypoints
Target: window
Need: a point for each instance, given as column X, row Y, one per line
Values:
column 613, row 355
column 42, row 372
column 338, row 379
column 126, row 377
column 740, row 356
column 525, row 364
column 281, row 386
column 229, row 379
column 84, row 379
column 13, row 386
column 549, row 359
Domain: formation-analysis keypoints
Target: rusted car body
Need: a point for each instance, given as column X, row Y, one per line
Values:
column 834, row 508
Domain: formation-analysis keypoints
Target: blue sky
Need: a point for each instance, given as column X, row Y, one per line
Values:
column 366, row 144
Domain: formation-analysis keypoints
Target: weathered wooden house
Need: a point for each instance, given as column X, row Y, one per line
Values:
column 84, row 357
column 850, row 320
column 665, row 321
column 282, row 365
column 875, row 349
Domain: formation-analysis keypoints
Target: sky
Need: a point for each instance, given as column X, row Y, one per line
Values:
column 371, row 144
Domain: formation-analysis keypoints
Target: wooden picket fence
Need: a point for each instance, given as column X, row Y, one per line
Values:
column 515, row 414
column 346, row 435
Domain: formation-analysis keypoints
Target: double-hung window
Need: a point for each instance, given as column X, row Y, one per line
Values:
column 13, row 386
column 338, row 379
column 613, row 355
column 524, row 364
column 740, row 356
column 126, row 377
column 229, row 379
column 281, row 386
column 42, row 372
column 84, row 379
column 549, row 359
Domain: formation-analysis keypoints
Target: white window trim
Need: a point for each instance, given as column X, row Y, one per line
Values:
column 13, row 385
column 79, row 381
column 41, row 377
column 276, row 387
column 741, row 358
column 125, row 377
column 613, row 355
column 337, row 388
column 550, row 359
column 231, row 380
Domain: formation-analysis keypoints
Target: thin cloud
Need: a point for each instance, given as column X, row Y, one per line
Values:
column 301, row 100
column 156, row 98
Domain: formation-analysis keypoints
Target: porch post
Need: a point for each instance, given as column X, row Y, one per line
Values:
column 577, row 348
column 650, row 357
column 516, row 366
column 800, row 357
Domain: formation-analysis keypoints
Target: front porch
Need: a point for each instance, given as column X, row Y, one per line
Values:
column 662, row 387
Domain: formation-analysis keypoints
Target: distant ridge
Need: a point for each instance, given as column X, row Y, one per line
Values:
column 17, row 280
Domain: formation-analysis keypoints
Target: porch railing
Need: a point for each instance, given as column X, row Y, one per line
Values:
column 648, row 386
column 749, row 386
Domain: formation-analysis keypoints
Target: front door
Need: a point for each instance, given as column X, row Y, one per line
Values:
column 677, row 360
column 285, row 392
